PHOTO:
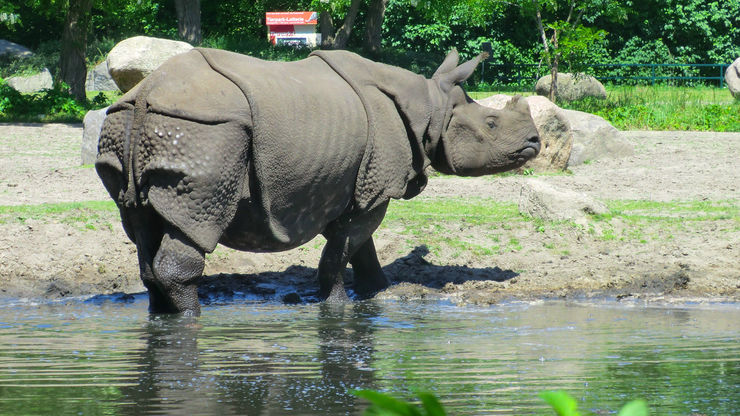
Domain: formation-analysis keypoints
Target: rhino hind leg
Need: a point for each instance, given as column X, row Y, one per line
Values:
column 169, row 264
column 177, row 266
column 349, row 238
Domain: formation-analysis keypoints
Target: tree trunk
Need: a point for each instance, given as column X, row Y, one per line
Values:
column 326, row 28
column 554, row 79
column 72, row 66
column 554, row 67
column 342, row 37
column 374, row 31
column 188, row 20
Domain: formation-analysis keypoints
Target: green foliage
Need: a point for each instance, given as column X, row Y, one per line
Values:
column 561, row 402
column 124, row 18
column 55, row 105
column 259, row 48
column 576, row 44
column 45, row 56
column 664, row 108
column 382, row 404
column 386, row 405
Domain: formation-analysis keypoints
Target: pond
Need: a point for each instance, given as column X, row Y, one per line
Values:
column 108, row 356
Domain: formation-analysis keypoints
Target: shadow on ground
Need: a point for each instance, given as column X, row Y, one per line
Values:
column 298, row 284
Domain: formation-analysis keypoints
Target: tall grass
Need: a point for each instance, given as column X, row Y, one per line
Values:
column 659, row 107
column 665, row 108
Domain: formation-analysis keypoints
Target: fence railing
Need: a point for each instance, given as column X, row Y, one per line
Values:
column 652, row 73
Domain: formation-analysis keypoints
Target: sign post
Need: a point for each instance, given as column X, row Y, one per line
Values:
column 292, row 28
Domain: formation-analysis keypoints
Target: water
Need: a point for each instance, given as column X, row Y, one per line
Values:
column 257, row 358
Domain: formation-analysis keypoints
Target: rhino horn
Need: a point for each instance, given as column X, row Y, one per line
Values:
column 459, row 74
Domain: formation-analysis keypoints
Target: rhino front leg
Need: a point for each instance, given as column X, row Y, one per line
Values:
column 369, row 276
column 349, row 238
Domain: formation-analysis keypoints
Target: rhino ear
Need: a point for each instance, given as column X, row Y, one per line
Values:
column 459, row 74
column 448, row 65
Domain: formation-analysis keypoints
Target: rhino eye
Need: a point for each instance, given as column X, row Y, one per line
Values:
column 491, row 123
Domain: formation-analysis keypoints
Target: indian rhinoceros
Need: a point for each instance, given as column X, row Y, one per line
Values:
column 217, row 147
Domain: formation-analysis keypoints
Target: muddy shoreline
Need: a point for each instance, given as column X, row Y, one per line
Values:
column 50, row 255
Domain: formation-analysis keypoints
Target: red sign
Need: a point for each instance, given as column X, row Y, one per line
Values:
column 291, row 18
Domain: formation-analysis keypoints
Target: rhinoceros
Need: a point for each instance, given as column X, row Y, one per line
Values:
column 216, row 147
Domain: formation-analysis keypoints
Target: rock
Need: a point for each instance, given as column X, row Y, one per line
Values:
column 544, row 201
column 13, row 49
column 91, row 126
column 30, row 84
column 99, row 79
column 553, row 127
column 131, row 60
column 594, row 138
column 732, row 78
column 572, row 87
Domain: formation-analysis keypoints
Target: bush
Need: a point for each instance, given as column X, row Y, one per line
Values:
column 54, row 105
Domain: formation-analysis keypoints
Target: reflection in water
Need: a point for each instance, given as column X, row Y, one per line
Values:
column 252, row 379
column 264, row 359
column 170, row 380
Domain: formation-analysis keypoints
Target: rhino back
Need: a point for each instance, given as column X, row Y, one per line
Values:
column 309, row 131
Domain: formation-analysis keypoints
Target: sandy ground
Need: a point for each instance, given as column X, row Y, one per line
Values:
column 50, row 254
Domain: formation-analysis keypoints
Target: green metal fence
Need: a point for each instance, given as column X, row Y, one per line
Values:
column 527, row 74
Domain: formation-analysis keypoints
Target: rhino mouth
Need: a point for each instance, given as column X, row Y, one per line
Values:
column 527, row 153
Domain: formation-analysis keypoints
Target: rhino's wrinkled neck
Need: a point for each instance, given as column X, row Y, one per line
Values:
column 440, row 117
column 417, row 101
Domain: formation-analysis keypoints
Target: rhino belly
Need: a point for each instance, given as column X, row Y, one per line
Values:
column 298, row 209
column 251, row 230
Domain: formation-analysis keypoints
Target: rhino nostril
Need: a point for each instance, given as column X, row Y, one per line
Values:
column 534, row 140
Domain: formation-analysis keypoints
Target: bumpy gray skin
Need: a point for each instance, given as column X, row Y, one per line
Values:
column 216, row 147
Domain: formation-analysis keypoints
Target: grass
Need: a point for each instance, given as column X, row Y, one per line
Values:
column 675, row 211
column 660, row 107
column 442, row 223
column 88, row 215
column 482, row 227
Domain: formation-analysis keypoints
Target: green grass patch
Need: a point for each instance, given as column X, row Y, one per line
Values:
column 443, row 224
column 675, row 210
column 54, row 105
column 665, row 108
column 83, row 215
column 472, row 211
column 658, row 107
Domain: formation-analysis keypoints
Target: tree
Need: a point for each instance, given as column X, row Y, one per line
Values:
column 374, row 26
column 188, row 20
column 72, row 62
column 566, row 37
column 338, row 39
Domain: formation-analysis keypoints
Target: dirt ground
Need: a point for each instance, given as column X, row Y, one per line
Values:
column 47, row 253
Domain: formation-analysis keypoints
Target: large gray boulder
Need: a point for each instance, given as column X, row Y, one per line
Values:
column 572, row 87
column 99, row 79
column 33, row 83
column 13, row 49
column 91, row 126
column 594, row 138
column 732, row 78
column 131, row 60
column 544, row 201
column 553, row 127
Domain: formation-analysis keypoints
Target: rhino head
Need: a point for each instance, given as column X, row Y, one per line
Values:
column 475, row 140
